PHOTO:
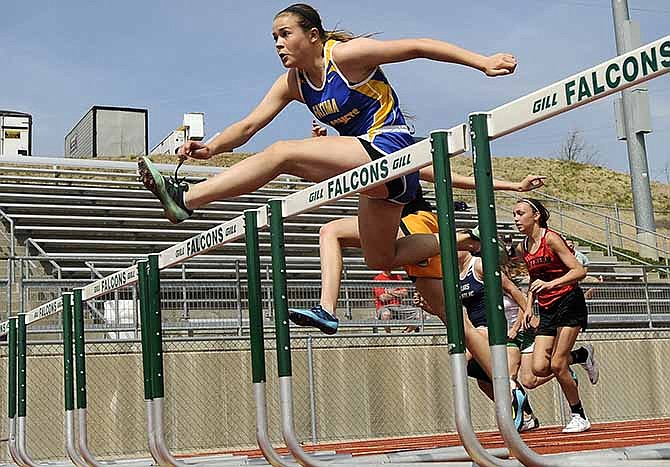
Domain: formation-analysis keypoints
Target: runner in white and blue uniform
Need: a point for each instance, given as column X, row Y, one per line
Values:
column 472, row 298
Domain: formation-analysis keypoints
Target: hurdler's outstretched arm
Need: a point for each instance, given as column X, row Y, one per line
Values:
column 531, row 182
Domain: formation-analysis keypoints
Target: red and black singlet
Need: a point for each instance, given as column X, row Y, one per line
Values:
column 546, row 265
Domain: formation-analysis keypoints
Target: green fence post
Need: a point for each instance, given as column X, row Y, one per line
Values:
column 79, row 348
column 11, row 368
column 254, row 297
column 486, row 210
column 279, row 288
column 21, row 348
column 68, row 375
column 448, row 250
column 155, row 325
column 143, row 285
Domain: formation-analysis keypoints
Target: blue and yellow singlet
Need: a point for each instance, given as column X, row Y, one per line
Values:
column 368, row 110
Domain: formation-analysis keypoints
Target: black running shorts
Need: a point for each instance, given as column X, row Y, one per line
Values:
column 568, row 311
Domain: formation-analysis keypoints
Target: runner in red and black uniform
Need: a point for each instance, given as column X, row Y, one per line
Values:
column 554, row 273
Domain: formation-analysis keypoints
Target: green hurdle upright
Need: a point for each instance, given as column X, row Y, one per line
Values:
column 497, row 325
column 436, row 457
column 11, row 392
column 282, row 335
column 152, row 359
column 21, row 356
column 452, row 294
column 80, row 365
column 68, row 383
column 257, row 339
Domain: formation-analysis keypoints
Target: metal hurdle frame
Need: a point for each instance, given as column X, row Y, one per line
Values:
column 80, row 361
column 11, row 392
column 627, row 70
column 415, row 156
column 528, row 110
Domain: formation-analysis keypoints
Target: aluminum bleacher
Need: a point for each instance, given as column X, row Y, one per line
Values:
column 93, row 223
column 81, row 215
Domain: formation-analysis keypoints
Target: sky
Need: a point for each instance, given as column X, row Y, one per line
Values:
column 58, row 59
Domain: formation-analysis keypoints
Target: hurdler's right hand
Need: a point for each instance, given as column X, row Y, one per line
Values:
column 194, row 150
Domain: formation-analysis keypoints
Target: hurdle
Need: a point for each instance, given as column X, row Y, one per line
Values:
column 68, row 383
column 374, row 173
column 21, row 392
column 377, row 173
column 80, row 364
column 11, row 393
column 399, row 163
column 602, row 80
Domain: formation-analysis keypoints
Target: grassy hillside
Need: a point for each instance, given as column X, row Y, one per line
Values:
column 571, row 181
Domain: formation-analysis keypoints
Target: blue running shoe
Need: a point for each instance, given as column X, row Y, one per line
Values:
column 518, row 402
column 316, row 317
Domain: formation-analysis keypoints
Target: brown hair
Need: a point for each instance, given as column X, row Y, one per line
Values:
column 515, row 269
column 539, row 208
column 309, row 18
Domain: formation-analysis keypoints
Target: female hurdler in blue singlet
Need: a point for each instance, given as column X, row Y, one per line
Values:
column 339, row 78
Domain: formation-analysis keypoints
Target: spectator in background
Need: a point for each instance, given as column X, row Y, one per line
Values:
column 509, row 245
column 584, row 261
column 581, row 257
column 388, row 300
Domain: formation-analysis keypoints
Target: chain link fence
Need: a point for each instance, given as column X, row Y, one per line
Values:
column 345, row 387
column 44, row 401
column 356, row 385
column 212, row 307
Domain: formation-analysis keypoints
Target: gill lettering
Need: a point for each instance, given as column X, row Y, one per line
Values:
column 316, row 195
column 545, row 103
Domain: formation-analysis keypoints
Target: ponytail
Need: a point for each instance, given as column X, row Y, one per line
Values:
column 539, row 208
column 309, row 18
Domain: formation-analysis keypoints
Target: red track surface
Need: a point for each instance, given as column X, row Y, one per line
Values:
column 543, row 440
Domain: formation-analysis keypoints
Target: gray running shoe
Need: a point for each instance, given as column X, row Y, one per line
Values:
column 169, row 190
column 591, row 365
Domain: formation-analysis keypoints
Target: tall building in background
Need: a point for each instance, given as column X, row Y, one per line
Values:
column 109, row 131
column 16, row 137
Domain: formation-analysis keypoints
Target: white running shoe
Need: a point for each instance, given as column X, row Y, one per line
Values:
column 577, row 424
column 591, row 365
